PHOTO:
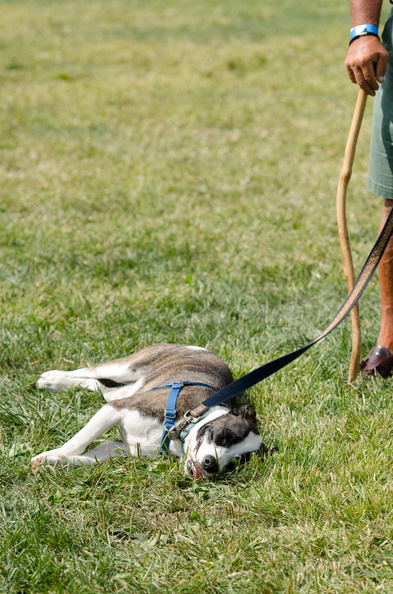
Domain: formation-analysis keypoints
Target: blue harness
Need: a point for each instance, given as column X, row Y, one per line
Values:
column 170, row 411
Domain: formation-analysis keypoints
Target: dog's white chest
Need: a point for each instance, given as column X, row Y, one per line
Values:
column 142, row 434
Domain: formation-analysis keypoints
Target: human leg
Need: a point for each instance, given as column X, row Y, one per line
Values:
column 380, row 358
column 385, row 272
column 380, row 182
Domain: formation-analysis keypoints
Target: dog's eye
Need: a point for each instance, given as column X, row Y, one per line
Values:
column 202, row 431
column 225, row 438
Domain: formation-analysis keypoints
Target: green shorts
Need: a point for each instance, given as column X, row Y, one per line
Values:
column 380, row 174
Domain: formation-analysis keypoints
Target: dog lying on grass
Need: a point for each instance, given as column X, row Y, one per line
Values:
column 135, row 388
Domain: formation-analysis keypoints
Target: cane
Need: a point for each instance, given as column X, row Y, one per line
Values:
column 345, row 176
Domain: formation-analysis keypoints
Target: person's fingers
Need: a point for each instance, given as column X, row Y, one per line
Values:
column 380, row 67
column 365, row 78
column 351, row 74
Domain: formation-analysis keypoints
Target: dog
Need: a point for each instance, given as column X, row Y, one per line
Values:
column 136, row 391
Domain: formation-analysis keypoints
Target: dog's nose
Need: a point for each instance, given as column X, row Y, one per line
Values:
column 209, row 464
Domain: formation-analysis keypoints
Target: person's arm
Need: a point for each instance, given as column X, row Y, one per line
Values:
column 366, row 57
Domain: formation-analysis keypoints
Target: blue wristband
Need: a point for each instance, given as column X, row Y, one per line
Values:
column 361, row 30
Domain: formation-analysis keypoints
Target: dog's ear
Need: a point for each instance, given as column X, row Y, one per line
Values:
column 264, row 451
column 249, row 414
column 246, row 412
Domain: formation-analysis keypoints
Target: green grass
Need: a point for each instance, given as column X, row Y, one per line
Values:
column 168, row 173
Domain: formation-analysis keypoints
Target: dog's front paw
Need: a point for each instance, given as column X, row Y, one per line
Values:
column 51, row 458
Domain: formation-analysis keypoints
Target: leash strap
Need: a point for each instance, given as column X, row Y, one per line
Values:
column 259, row 374
column 170, row 410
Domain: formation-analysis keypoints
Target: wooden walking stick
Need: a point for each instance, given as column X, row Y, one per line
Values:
column 345, row 176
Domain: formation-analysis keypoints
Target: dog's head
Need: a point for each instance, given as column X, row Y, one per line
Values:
column 214, row 446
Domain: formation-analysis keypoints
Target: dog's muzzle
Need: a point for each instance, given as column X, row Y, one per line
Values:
column 205, row 469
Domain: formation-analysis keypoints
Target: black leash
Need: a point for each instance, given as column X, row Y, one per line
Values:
column 259, row 374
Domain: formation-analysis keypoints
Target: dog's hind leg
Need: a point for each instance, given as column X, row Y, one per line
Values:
column 54, row 381
column 106, row 377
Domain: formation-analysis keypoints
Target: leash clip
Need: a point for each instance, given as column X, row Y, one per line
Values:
column 174, row 432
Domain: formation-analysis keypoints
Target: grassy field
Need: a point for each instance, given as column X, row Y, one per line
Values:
column 168, row 173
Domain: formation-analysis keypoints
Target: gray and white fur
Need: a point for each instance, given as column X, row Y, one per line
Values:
column 209, row 448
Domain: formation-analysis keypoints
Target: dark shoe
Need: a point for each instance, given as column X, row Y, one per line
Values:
column 378, row 360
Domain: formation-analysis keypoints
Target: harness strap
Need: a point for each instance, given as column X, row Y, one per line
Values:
column 170, row 410
column 259, row 374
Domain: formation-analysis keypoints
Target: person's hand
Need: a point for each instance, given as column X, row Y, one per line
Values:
column 366, row 62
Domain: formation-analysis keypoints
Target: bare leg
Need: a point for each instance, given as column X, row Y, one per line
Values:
column 380, row 358
column 385, row 271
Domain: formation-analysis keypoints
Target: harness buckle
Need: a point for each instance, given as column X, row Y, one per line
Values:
column 170, row 413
